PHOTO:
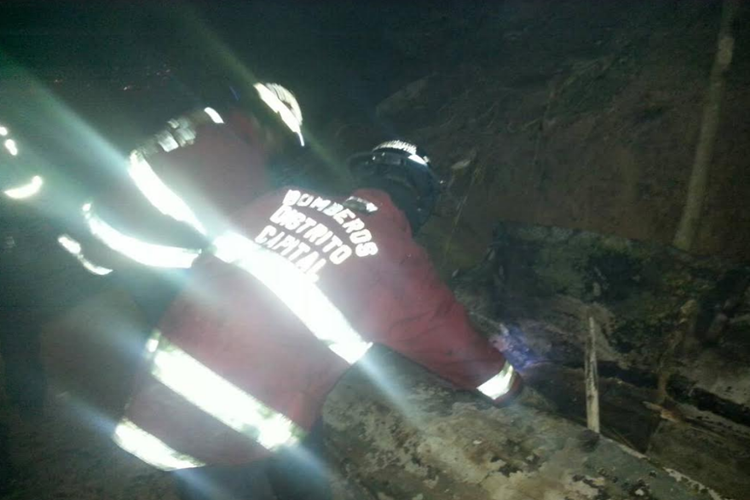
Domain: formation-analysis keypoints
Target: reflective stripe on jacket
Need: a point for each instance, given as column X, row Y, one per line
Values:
column 290, row 298
column 189, row 178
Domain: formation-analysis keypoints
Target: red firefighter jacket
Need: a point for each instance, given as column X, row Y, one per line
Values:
column 249, row 328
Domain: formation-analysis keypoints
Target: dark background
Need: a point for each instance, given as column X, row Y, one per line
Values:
column 578, row 114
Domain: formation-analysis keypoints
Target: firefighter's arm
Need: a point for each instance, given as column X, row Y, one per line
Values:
column 104, row 246
column 122, row 229
column 438, row 334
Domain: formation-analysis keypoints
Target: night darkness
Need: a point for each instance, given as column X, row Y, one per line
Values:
column 569, row 136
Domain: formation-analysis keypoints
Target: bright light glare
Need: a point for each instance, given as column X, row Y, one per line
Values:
column 292, row 118
column 27, row 190
column 297, row 291
column 150, row 449
column 11, row 146
column 500, row 384
column 216, row 117
column 220, row 398
column 160, row 196
column 3, row 131
column 149, row 254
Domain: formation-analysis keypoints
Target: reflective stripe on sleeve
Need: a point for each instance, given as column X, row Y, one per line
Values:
column 295, row 289
column 500, row 384
column 149, row 254
column 218, row 397
column 150, row 449
column 159, row 194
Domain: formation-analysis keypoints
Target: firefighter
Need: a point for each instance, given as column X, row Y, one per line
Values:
column 283, row 304
column 180, row 188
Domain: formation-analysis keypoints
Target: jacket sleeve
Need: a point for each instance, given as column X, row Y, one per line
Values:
column 432, row 328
